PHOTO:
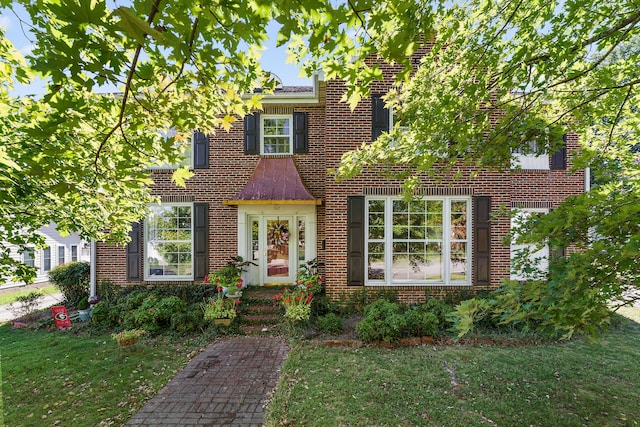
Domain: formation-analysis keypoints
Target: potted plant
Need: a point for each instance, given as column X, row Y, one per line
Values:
column 229, row 278
column 84, row 311
column 220, row 310
column 308, row 279
column 128, row 337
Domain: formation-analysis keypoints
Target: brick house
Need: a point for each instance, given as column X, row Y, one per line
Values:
column 262, row 191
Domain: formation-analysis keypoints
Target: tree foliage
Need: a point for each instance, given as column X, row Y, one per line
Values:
column 498, row 75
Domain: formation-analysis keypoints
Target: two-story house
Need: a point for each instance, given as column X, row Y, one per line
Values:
column 262, row 191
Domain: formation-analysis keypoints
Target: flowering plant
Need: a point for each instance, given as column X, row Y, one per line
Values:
column 128, row 334
column 94, row 299
column 220, row 308
column 297, row 303
column 228, row 278
column 309, row 279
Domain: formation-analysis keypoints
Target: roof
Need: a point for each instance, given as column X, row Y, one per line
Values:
column 275, row 180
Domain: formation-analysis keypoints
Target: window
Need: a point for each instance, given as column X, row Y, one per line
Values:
column 74, row 253
column 46, row 259
column 538, row 258
column 424, row 241
column 28, row 257
column 60, row 255
column 168, row 243
column 534, row 158
column 195, row 152
column 276, row 134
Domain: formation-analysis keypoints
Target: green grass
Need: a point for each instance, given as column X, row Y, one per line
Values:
column 66, row 378
column 10, row 297
column 556, row 384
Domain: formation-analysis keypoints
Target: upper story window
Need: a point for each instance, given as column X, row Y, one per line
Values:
column 273, row 134
column 533, row 158
column 277, row 134
column 194, row 152
column 46, row 259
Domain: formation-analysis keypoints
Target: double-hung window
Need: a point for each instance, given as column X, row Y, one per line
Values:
column 28, row 257
column 46, row 259
column 421, row 242
column 60, row 255
column 169, row 242
column 534, row 158
column 276, row 131
column 538, row 258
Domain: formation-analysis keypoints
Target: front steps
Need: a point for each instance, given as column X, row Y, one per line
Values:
column 260, row 314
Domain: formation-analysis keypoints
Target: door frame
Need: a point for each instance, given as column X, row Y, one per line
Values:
column 256, row 275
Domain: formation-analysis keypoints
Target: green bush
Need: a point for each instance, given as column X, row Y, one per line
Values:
column 135, row 299
column 356, row 301
column 329, row 324
column 439, row 308
column 189, row 321
column 107, row 316
column 109, row 292
column 420, row 323
column 154, row 314
column 383, row 321
column 73, row 281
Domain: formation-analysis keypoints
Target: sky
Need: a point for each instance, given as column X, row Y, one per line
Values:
column 273, row 58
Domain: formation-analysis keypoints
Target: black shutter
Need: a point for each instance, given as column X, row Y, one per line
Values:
column 482, row 240
column 134, row 253
column 200, row 240
column 300, row 133
column 355, row 240
column 252, row 133
column 200, row 150
column 379, row 117
column 559, row 158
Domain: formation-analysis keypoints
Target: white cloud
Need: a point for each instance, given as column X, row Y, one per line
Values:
column 27, row 49
column 5, row 22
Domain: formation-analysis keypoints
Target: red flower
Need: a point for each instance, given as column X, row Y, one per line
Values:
column 237, row 302
column 219, row 288
column 239, row 285
column 206, row 278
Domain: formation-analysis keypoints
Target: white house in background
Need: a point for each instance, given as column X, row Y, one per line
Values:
column 60, row 250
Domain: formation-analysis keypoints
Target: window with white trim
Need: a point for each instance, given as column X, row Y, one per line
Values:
column 74, row 253
column 536, row 257
column 531, row 160
column 46, row 259
column 60, row 255
column 28, row 257
column 186, row 150
column 421, row 242
column 168, row 244
column 276, row 134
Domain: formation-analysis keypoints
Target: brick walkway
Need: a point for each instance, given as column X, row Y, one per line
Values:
column 226, row 385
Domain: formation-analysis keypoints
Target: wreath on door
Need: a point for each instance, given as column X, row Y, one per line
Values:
column 278, row 234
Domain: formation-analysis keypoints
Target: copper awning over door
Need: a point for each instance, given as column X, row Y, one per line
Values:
column 275, row 180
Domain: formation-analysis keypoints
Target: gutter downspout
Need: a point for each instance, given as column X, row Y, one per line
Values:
column 92, row 269
column 587, row 179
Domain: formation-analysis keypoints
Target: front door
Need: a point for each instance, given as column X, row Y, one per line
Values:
column 279, row 250
column 277, row 243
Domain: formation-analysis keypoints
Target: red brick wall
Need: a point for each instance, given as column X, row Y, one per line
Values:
column 335, row 129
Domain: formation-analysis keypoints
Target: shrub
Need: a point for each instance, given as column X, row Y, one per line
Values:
column 420, row 323
column 383, row 321
column 73, row 281
column 154, row 314
column 109, row 292
column 105, row 315
column 439, row 308
column 356, row 301
column 189, row 321
column 329, row 324
column 28, row 304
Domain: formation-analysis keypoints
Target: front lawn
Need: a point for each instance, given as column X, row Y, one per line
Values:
column 557, row 384
column 71, row 379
